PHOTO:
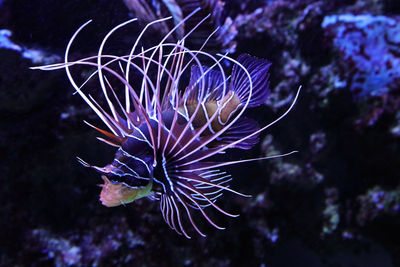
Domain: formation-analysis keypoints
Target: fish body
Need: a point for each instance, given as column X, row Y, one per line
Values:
column 131, row 174
column 166, row 138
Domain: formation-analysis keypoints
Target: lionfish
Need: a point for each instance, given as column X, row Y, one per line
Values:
column 165, row 137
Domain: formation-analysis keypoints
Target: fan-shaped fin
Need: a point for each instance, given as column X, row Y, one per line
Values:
column 240, row 83
column 242, row 128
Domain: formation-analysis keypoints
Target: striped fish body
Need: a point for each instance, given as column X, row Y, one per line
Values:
column 141, row 168
column 129, row 175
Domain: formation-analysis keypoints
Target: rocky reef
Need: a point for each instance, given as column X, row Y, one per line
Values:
column 334, row 203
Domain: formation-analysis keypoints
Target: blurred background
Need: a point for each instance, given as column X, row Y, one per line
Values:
column 335, row 203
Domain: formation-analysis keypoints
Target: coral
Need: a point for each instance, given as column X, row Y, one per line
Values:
column 292, row 72
column 36, row 56
column 331, row 211
column 284, row 172
column 369, row 48
column 368, row 65
column 83, row 249
column 324, row 82
column 317, row 142
column 222, row 39
column 377, row 202
column 279, row 19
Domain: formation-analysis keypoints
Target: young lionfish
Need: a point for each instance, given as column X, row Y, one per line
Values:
column 163, row 135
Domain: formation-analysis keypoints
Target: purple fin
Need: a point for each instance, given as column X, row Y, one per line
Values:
column 242, row 128
column 259, row 72
column 211, row 79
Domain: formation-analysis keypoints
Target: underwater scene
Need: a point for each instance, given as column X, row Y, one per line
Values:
column 200, row 133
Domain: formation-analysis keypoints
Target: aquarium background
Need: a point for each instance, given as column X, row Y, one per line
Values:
column 334, row 203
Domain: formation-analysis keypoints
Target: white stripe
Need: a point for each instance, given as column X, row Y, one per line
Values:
column 171, row 185
column 142, row 140
column 135, row 158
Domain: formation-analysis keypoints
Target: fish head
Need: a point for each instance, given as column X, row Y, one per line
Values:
column 117, row 193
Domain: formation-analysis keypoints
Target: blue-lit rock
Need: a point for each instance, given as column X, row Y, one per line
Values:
column 369, row 49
